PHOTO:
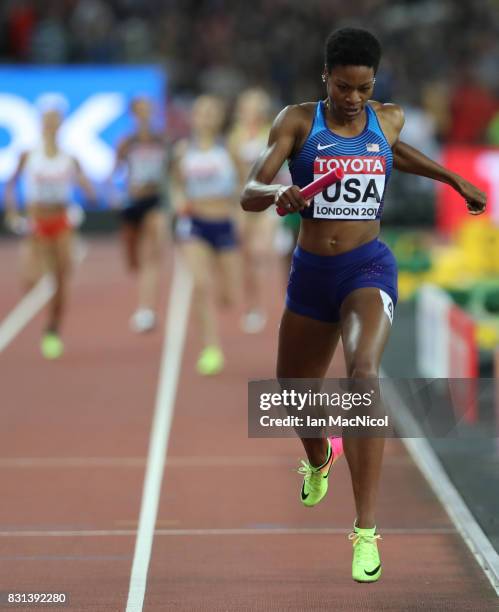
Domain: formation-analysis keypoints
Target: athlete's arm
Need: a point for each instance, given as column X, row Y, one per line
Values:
column 177, row 182
column 121, row 155
column 10, row 188
column 113, row 195
column 410, row 160
column 258, row 193
column 84, row 183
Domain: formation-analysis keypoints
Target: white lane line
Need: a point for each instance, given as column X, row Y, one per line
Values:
column 93, row 533
column 430, row 466
column 175, row 329
column 25, row 310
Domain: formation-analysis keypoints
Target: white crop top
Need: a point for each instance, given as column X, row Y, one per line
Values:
column 49, row 180
column 208, row 173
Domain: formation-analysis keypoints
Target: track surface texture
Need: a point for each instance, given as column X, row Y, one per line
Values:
column 231, row 533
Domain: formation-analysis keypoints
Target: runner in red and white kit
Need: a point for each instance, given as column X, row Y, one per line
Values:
column 50, row 175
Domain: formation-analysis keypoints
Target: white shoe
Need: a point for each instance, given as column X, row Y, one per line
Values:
column 143, row 320
column 253, row 322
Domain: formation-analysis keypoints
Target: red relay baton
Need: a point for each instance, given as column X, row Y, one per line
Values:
column 315, row 187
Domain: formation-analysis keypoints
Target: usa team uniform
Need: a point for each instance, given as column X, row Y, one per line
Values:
column 319, row 284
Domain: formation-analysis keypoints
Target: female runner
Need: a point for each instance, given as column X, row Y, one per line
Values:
column 49, row 175
column 205, row 187
column 343, row 280
column 143, row 220
column 247, row 140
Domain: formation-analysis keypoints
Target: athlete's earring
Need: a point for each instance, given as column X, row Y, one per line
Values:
column 323, row 78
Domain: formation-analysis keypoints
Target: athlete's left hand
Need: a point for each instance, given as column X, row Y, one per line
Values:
column 476, row 200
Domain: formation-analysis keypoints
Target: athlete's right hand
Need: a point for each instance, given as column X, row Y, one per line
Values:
column 289, row 198
column 16, row 223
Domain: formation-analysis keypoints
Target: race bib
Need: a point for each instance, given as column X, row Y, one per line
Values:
column 358, row 195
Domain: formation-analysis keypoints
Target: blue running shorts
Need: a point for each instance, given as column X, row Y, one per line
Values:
column 318, row 284
column 220, row 235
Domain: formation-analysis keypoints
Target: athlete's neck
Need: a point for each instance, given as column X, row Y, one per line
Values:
column 340, row 120
column 143, row 131
column 50, row 145
column 205, row 141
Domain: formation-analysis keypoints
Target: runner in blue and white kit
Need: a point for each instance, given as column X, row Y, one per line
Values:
column 205, row 182
column 343, row 280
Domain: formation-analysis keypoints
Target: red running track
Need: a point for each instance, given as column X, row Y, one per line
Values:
column 231, row 533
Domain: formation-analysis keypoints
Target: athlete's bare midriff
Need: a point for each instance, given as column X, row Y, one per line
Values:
column 322, row 237
column 213, row 209
column 144, row 191
column 326, row 237
column 46, row 211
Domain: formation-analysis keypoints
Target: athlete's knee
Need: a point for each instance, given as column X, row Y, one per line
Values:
column 157, row 250
column 258, row 253
column 63, row 268
column 202, row 286
column 61, row 282
column 228, row 298
column 131, row 256
column 149, row 256
column 363, row 368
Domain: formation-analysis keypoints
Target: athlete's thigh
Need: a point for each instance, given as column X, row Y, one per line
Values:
column 229, row 265
column 62, row 248
column 365, row 327
column 129, row 232
column 154, row 225
column 257, row 233
column 306, row 346
column 199, row 258
column 33, row 264
column 152, row 234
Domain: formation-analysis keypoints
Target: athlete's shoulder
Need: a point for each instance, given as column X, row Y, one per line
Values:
column 180, row 148
column 25, row 155
column 124, row 145
column 391, row 118
column 158, row 138
column 296, row 113
column 392, row 113
column 294, row 120
column 23, row 161
column 32, row 156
